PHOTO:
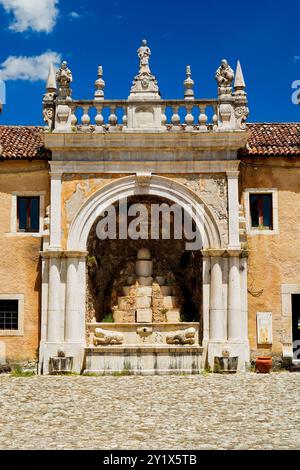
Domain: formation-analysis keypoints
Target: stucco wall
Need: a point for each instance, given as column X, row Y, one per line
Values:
column 19, row 260
column 273, row 259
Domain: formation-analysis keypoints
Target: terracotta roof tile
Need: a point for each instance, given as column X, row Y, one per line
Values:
column 273, row 139
column 18, row 142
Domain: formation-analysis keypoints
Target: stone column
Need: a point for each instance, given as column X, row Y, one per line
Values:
column 233, row 210
column 234, row 299
column 54, row 331
column 216, row 326
column 82, row 294
column 55, row 211
column 72, row 301
column 44, row 298
column 206, row 296
column 244, row 302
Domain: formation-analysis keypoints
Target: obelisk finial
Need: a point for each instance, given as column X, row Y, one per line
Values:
column 188, row 85
column 99, row 85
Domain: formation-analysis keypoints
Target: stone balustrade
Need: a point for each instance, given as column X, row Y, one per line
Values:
column 145, row 110
column 112, row 115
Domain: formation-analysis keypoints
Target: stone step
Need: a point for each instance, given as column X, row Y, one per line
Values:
column 173, row 316
column 169, row 301
column 144, row 315
column 118, row 316
column 144, row 291
column 143, row 302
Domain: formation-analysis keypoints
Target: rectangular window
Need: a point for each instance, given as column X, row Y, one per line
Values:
column 9, row 314
column 28, row 212
column 261, row 211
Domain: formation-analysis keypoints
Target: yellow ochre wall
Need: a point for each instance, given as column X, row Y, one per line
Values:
column 19, row 255
column 273, row 259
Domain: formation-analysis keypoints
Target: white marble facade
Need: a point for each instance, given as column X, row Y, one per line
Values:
column 149, row 161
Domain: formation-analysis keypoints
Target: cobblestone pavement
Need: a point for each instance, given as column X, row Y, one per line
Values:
column 245, row 411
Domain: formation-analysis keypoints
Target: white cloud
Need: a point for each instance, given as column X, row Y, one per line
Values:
column 37, row 15
column 74, row 15
column 296, row 58
column 28, row 68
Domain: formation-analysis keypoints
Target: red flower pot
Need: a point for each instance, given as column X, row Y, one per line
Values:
column 264, row 364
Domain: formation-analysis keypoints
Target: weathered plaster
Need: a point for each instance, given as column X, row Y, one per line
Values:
column 273, row 258
column 20, row 259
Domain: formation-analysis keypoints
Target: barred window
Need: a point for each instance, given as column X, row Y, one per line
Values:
column 9, row 314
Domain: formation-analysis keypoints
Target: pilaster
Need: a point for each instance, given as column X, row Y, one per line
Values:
column 55, row 210
column 233, row 209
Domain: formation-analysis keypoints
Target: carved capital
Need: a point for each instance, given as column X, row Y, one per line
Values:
column 232, row 175
column 213, row 253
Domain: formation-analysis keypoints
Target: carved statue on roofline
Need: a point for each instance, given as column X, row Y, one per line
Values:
column 144, row 54
column 145, row 82
column 224, row 77
column 64, row 78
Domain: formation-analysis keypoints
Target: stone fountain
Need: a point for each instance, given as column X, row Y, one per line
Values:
column 147, row 336
column 141, row 291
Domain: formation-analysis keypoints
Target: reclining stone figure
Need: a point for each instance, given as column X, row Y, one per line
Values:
column 107, row 337
column 182, row 337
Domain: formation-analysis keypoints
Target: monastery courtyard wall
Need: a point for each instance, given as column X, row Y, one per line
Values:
column 20, row 266
column 274, row 258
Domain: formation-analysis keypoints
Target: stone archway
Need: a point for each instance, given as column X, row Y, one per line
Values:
column 224, row 273
column 137, row 187
column 131, row 186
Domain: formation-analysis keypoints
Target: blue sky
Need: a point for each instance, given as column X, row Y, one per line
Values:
column 264, row 35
